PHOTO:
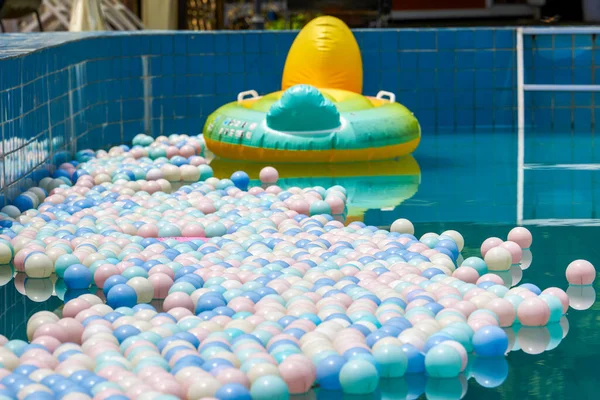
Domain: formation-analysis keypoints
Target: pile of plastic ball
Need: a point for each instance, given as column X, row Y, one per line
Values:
column 262, row 293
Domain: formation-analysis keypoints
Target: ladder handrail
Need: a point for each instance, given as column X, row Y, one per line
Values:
column 563, row 30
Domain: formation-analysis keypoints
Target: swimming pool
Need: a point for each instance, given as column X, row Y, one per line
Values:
column 464, row 176
column 437, row 192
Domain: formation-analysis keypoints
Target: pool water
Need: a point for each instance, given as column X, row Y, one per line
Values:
column 469, row 182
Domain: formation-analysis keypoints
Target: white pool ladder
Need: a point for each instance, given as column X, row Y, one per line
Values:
column 522, row 87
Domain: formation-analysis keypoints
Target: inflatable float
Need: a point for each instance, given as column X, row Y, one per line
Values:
column 320, row 115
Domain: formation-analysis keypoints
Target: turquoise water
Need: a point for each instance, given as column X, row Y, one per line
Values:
column 468, row 182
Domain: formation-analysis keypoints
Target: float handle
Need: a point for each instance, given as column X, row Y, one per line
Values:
column 242, row 95
column 383, row 94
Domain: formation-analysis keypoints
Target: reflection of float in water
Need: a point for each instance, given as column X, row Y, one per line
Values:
column 369, row 185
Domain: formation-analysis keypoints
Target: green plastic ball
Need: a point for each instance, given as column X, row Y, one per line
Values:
column 269, row 387
column 443, row 361
column 359, row 377
column 392, row 361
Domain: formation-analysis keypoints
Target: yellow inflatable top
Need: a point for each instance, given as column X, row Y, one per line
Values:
column 325, row 54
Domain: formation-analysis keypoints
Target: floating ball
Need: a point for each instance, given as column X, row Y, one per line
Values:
column 269, row 387
column 581, row 272
column 298, row 372
column 78, row 276
column 7, row 252
column 11, row 211
column 477, row 264
column 521, row 236
column 319, row 207
column 39, row 265
column 533, row 311
column 466, row 274
column 457, row 237
column 358, row 377
column 490, row 341
column 561, row 295
column 515, row 251
column 215, row 229
column 268, row 175
column 23, row 203
column 328, row 372
column 233, row 391
column 443, row 361
column 121, row 295
column 403, row 225
column 392, row 361
column 240, row 179
column 143, row 289
column 498, row 259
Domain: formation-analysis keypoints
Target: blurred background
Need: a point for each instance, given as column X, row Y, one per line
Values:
column 76, row 15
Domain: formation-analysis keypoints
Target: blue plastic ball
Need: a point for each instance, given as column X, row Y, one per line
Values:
column 328, row 372
column 490, row 341
column 121, row 295
column 78, row 276
column 532, row 288
column 125, row 331
column 431, row 272
column 241, row 180
column 233, row 391
column 113, row 281
column 416, row 359
column 436, row 339
column 23, row 203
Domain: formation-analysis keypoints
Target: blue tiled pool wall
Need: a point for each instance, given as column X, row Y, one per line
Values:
column 88, row 91
column 562, row 59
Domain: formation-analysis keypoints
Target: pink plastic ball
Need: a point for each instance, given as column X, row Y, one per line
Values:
column 466, row 274
column 268, row 175
column 298, row 373
column 187, row 150
column 521, row 236
column 148, row 230
column 515, row 251
column 504, row 310
column 581, row 272
column 178, row 299
column 336, row 204
column 193, row 230
column 73, row 328
column 103, row 273
column 533, row 311
column 53, row 330
column 465, row 307
column 490, row 278
column 233, row 375
column 161, row 283
column 74, row 307
column 169, row 386
column 48, row 342
column 490, row 243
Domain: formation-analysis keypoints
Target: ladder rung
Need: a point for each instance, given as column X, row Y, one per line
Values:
column 563, row 30
column 562, row 88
